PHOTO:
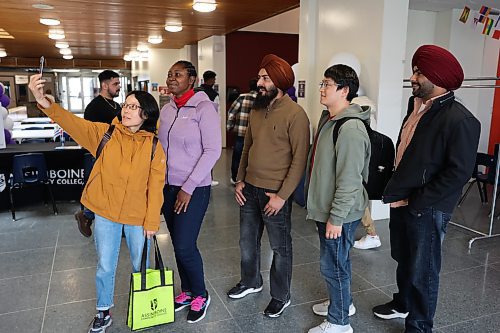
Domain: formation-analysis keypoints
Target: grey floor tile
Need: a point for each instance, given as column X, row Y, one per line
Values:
column 484, row 324
column 23, row 293
column 28, row 321
column 377, row 267
column 33, row 262
column 26, row 239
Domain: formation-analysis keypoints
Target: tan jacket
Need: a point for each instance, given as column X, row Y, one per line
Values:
column 125, row 185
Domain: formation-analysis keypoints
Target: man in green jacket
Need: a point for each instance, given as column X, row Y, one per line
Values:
column 336, row 198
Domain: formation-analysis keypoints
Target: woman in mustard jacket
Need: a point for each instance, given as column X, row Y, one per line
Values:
column 125, row 187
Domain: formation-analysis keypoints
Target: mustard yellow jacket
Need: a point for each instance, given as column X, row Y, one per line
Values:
column 125, row 185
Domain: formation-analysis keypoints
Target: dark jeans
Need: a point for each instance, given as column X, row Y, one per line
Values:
column 335, row 266
column 184, row 229
column 252, row 222
column 416, row 239
column 235, row 161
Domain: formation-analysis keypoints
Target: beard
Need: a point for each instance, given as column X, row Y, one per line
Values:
column 262, row 100
column 116, row 94
column 422, row 90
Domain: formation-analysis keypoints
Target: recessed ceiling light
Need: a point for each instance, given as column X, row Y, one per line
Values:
column 71, row 70
column 68, row 56
column 3, row 53
column 42, row 6
column 56, row 34
column 173, row 27
column 49, row 21
column 155, row 39
column 62, row 45
column 142, row 48
column 204, row 6
column 65, row 51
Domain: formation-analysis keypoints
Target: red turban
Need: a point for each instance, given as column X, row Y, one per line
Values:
column 279, row 71
column 439, row 66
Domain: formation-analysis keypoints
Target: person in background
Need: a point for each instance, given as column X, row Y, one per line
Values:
column 208, row 87
column 336, row 197
column 190, row 133
column 435, row 156
column 125, row 187
column 237, row 120
column 102, row 109
column 272, row 164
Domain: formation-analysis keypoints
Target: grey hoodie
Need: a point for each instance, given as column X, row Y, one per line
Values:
column 334, row 186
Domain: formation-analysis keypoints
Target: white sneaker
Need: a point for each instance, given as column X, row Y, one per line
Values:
column 232, row 181
column 327, row 327
column 367, row 242
column 215, row 183
column 321, row 309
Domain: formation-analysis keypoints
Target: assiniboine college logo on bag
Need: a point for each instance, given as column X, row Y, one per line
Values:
column 154, row 304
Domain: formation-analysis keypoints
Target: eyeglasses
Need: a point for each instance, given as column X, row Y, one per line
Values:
column 326, row 84
column 132, row 107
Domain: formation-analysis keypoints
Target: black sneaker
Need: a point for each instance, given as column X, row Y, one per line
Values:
column 182, row 301
column 276, row 308
column 100, row 323
column 240, row 291
column 388, row 311
column 198, row 310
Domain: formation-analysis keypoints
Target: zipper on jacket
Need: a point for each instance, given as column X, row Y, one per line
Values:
column 168, row 143
column 423, row 176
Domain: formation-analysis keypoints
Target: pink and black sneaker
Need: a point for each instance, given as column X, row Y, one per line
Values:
column 198, row 309
column 182, row 300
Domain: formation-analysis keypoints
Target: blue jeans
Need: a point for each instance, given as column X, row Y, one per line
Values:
column 108, row 237
column 235, row 161
column 184, row 229
column 335, row 266
column 416, row 239
column 252, row 222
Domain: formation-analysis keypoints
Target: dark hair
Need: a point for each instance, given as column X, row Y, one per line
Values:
column 209, row 75
column 149, row 110
column 107, row 75
column 252, row 84
column 191, row 70
column 344, row 76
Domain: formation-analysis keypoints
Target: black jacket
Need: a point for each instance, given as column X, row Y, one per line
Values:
column 439, row 159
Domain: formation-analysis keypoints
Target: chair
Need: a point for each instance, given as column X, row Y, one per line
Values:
column 29, row 170
column 480, row 178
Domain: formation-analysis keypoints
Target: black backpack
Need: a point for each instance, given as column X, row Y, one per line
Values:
column 381, row 161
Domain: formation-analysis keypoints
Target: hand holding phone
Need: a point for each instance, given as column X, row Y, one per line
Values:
column 42, row 62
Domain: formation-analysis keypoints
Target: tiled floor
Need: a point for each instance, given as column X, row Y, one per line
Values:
column 47, row 274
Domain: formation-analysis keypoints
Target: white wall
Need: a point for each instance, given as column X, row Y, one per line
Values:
column 285, row 23
column 160, row 61
column 212, row 56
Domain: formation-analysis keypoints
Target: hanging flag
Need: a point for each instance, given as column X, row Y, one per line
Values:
column 58, row 133
column 496, row 34
column 484, row 11
column 465, row 15
column 488, row 24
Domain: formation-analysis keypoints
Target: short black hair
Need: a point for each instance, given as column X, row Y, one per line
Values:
column 107, row 75
column 150, row 110
column 344, row 76
column 191, row 70
column 252, row 84
column 209, row 75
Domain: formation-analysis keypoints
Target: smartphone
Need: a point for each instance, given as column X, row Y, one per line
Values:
column 42, row 62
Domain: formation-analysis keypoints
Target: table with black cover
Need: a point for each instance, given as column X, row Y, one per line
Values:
column 64, row 166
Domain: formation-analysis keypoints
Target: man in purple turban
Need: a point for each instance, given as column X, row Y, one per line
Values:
column 435, row 157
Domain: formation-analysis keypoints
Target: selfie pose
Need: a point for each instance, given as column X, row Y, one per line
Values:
column 125, row 187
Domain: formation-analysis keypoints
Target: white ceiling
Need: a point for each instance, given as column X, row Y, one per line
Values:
column 440, row 5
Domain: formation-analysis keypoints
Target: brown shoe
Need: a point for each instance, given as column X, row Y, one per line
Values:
column 83, row 224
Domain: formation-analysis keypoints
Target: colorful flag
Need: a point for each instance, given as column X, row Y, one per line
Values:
column 465, row 15
column 484, row 11
column 488, row 24
column 58, row 132
column 496, row 34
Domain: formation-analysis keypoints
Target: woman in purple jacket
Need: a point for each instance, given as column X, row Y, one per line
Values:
column 190, row 133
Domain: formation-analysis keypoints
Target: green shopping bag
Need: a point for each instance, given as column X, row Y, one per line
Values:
column 151, row 298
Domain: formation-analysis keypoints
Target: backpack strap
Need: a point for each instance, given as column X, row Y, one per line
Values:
column 341, row 122
column 104, row 140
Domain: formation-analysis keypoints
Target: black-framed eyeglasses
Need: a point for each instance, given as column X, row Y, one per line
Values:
column 132, row 107
column 326, row 84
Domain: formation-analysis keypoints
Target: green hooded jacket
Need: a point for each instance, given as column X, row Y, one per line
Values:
column 334, row 186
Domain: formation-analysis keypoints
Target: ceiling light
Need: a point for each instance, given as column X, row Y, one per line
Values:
column 173, row 27
column 56, row 34
column 62, row 45
column 155, row 39
column 71, row 70
column 42, row 6
column 142, row 48
column 65, row 51
column 127, row 57
column 204, row 6
column 49, row 21
column 3, row 53
column 68, row 56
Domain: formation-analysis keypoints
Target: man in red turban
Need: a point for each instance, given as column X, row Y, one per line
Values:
column 435, row 157
column 271, row 166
